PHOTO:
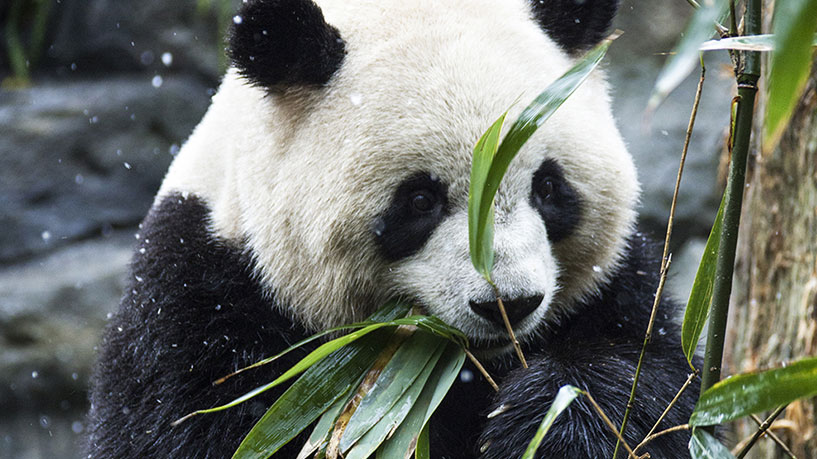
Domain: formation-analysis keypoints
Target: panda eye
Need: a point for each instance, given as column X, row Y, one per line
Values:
column 547, row 189
column 422, row 201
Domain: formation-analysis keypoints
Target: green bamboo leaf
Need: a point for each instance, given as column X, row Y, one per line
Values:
column 428, row 323
column 481, row 225
column 323, row 429
column 764, row 42
column 749, row 393
column 310, row 396
column 423, row 450
column 794, row 24
column 700, row 297
column 686, row 55
column 407, row 436
column 563, row 399
column 390, row 311
column 490, row 162
column 406, row 367
column 702, row 445
column 392, row 398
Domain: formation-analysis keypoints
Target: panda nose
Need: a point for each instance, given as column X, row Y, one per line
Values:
column 517, row 309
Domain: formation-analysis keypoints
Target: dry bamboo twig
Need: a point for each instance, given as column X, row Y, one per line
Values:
column 664, row 432
column 610, row 425
column 760, row 431
column 669, row 407
column 481, row 369
column 774, row 437
column 665, row 257
column 504, row 314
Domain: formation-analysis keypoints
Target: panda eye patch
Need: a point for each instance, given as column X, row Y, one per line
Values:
column 556, row 201
column 417, row 207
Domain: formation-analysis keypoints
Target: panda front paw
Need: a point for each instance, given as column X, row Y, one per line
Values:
column 525, row 395
column 523, row 399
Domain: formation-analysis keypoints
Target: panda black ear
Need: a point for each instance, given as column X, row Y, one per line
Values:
column 277, row 43
column 575, row 25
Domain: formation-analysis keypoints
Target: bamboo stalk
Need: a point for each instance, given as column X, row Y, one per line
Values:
column 747, row 79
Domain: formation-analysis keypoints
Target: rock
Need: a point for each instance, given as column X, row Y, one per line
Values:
column 684, row 267
column 78, row 159
column 635, row 59
column 52, row 311
column 89, row 37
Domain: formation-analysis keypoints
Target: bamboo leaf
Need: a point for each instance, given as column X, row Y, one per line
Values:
column 763, row 42
column 794, row 24
column 362, row 390
column 481, row 225
column 308, row 397
column 749, row 393
column 563, row 399
column 390, row 401
column 685, row 55
column 320, row 434
column 491, row 162
column 423, row 445
column 403, row 442
column 700, row 297
column 702, row 445
column 390, row 311
column 428, row 323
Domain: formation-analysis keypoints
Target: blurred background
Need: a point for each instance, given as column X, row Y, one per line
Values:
column 97, row 97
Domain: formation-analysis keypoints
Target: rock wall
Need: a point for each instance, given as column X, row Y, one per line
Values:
column 83, row 148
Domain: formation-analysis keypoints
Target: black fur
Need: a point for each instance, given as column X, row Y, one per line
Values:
column 575, row 25
column 277, row 43
column 194, row 312
column 403, row 229
column 559, row 206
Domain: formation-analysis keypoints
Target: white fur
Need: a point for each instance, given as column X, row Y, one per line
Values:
column 301, row 176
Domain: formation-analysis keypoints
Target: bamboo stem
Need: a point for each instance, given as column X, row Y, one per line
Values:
column 747, row 89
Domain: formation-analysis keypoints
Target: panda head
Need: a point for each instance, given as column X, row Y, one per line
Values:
column 338, row 150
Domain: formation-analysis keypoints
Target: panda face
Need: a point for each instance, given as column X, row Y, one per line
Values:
column 421, row 234
column 351, row 187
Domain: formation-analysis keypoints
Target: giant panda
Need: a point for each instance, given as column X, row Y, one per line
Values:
column 331, row 174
